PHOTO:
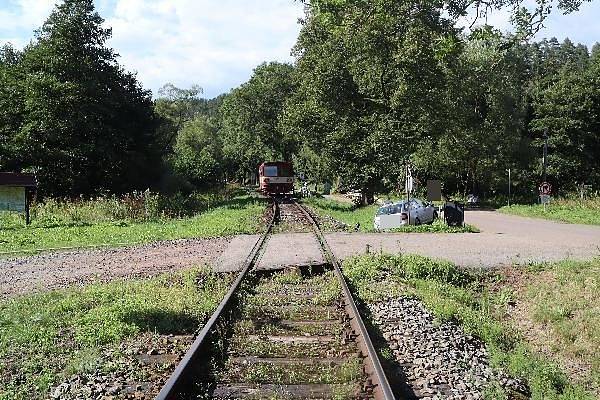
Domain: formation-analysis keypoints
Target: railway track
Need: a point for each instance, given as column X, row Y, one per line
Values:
column 295, row 333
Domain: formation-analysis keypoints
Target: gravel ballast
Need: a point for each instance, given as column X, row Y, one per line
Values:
column 439, row 361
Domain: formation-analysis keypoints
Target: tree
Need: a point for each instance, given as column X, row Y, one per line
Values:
column 87, row 125
column 485, row 125
column 569, row 107
column 176, row 106
column 372, row 78
column 198, row 153
column 250, row 120
column 11, row 104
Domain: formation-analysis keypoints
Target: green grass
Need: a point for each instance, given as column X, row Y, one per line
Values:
column 236, row 216
column 46, row 337
column 352, row 216
column 564, row 298
column 570, row 211
column 468, row 299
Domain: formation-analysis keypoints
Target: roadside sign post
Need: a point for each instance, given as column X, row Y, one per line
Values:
column 434, row 190
column 15, row 193
column 545, row 192
column 509, row 187
column 408, row 186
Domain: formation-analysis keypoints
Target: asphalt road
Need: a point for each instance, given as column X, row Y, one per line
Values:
column 504, row 240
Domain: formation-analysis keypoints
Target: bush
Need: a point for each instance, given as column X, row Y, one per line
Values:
column 135, row 207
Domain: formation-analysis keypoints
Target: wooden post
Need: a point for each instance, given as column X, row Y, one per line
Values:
column 27, row 219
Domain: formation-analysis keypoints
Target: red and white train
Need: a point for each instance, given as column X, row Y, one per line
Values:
column 276, row 177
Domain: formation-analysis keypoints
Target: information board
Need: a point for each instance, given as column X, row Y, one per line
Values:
column 434, row 190
column 12, row 198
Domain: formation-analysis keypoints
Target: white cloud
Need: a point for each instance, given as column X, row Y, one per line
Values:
column 580, row 26
column 19, row 16
column 217, row 43
column 213, row 44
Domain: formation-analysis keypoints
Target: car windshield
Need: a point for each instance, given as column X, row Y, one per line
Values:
column 417, row 203
column 284, row 170
column 392, row 209
column 383, row 210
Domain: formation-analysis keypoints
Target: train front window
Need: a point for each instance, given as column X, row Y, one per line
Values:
column 270, row 170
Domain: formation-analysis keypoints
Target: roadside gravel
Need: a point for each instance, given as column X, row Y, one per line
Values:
column 55, row 270
column 439, row 361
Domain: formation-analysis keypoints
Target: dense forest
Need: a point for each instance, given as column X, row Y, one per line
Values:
column 375, row 84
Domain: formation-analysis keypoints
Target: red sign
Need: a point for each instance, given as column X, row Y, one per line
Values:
column 545, row 189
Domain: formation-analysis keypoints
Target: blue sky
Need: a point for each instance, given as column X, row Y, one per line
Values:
column 217, row 43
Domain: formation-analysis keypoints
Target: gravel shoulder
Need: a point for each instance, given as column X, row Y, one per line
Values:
column 55, row 270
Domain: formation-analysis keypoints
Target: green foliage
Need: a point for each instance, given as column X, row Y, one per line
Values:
column 250, row 120
column 359, row 82
column 71, row 114
column 483, row 132
column 71, row 327
column 567, row 103
column 454, row 294
column 198, row 153
column 99, row 224
column 376, row 83
column 564, row 210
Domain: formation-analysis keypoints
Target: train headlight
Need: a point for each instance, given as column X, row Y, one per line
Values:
column 289, row 180
column 266, row 180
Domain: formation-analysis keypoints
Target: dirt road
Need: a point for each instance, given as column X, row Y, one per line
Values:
column 55, row 270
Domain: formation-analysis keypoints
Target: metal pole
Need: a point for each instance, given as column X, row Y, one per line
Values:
column 509, row 187
column 545, row 158
column 407, row 193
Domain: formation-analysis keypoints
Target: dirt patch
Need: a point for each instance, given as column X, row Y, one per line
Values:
column 55, row 270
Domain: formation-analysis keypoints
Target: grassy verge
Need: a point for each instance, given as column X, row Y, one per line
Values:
column 571, row 211
column 562, row 300
column 331, row 212
column 480, row 303
column 235, row 216
column 47, row 337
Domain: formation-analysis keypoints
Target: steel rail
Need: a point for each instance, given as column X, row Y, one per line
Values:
column 181, row 380
column 381, row 389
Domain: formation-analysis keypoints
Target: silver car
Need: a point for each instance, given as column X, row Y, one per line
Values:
column 396, row 215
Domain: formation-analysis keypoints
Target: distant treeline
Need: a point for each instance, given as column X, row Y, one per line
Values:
column 375, row 84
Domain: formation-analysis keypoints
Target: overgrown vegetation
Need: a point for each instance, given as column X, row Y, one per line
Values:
column 134, row 219
column 46, row 337
column 361, row 218
column 573, row 211
column 478, row 303
column 563, row 299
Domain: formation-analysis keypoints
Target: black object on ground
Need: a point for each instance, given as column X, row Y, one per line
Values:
column 454, row 213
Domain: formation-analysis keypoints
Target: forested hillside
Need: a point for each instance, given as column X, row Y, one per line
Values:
column 375, row 84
